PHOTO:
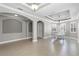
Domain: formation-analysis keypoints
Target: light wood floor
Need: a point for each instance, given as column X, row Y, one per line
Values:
column 44, row 47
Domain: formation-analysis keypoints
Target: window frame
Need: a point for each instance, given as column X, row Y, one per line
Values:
column 72, row 27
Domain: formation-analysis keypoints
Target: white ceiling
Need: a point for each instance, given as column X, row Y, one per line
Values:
column 51, row 10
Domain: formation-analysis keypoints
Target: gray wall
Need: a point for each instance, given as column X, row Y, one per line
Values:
column 14, row 35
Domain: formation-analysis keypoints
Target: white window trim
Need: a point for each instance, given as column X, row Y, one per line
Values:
column 64, row 27
column 70, row 27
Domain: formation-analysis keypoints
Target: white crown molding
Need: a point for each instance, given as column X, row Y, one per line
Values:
column 16, row 10
column 15, row 40
column 27, row 6
column 42, row 6
column 30, row 16
column 72, row 19
column 50, row 18
column 39, row 6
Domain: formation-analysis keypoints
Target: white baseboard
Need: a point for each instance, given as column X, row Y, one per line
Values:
column 4, row 42
column 46, row 37
column 35, row 40
column 72, row 38
column 28, row 37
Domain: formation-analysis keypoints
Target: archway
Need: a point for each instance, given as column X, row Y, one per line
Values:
column 29, row 29
column 40, row 30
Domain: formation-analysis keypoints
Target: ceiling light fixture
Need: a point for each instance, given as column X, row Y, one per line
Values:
column 34, row 7
column 15, row 15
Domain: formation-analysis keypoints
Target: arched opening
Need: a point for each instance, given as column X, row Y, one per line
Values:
column 29, row 29
column 40, row 30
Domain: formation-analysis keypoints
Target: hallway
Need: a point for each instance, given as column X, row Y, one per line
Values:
column 43, row 47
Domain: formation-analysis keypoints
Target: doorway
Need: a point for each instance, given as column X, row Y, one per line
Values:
column 40, row 30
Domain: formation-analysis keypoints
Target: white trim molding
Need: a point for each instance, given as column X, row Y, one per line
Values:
column 71, row 38
column 15, row 40
column 35, row 40
column 72, row 23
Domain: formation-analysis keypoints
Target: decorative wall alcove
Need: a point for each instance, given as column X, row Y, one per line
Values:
column 12, row 26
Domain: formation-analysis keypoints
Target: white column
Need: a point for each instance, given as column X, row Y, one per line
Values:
column 58, row 28
column 78, row 33
column 34, row 31
column 27, row 29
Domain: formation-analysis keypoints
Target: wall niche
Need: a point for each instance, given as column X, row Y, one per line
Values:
column 11, row 26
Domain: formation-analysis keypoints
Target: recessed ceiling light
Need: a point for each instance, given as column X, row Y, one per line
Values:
column 15, row 15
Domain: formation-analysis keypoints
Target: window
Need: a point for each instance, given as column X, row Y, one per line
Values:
column 63, row 27
column 73, row 27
